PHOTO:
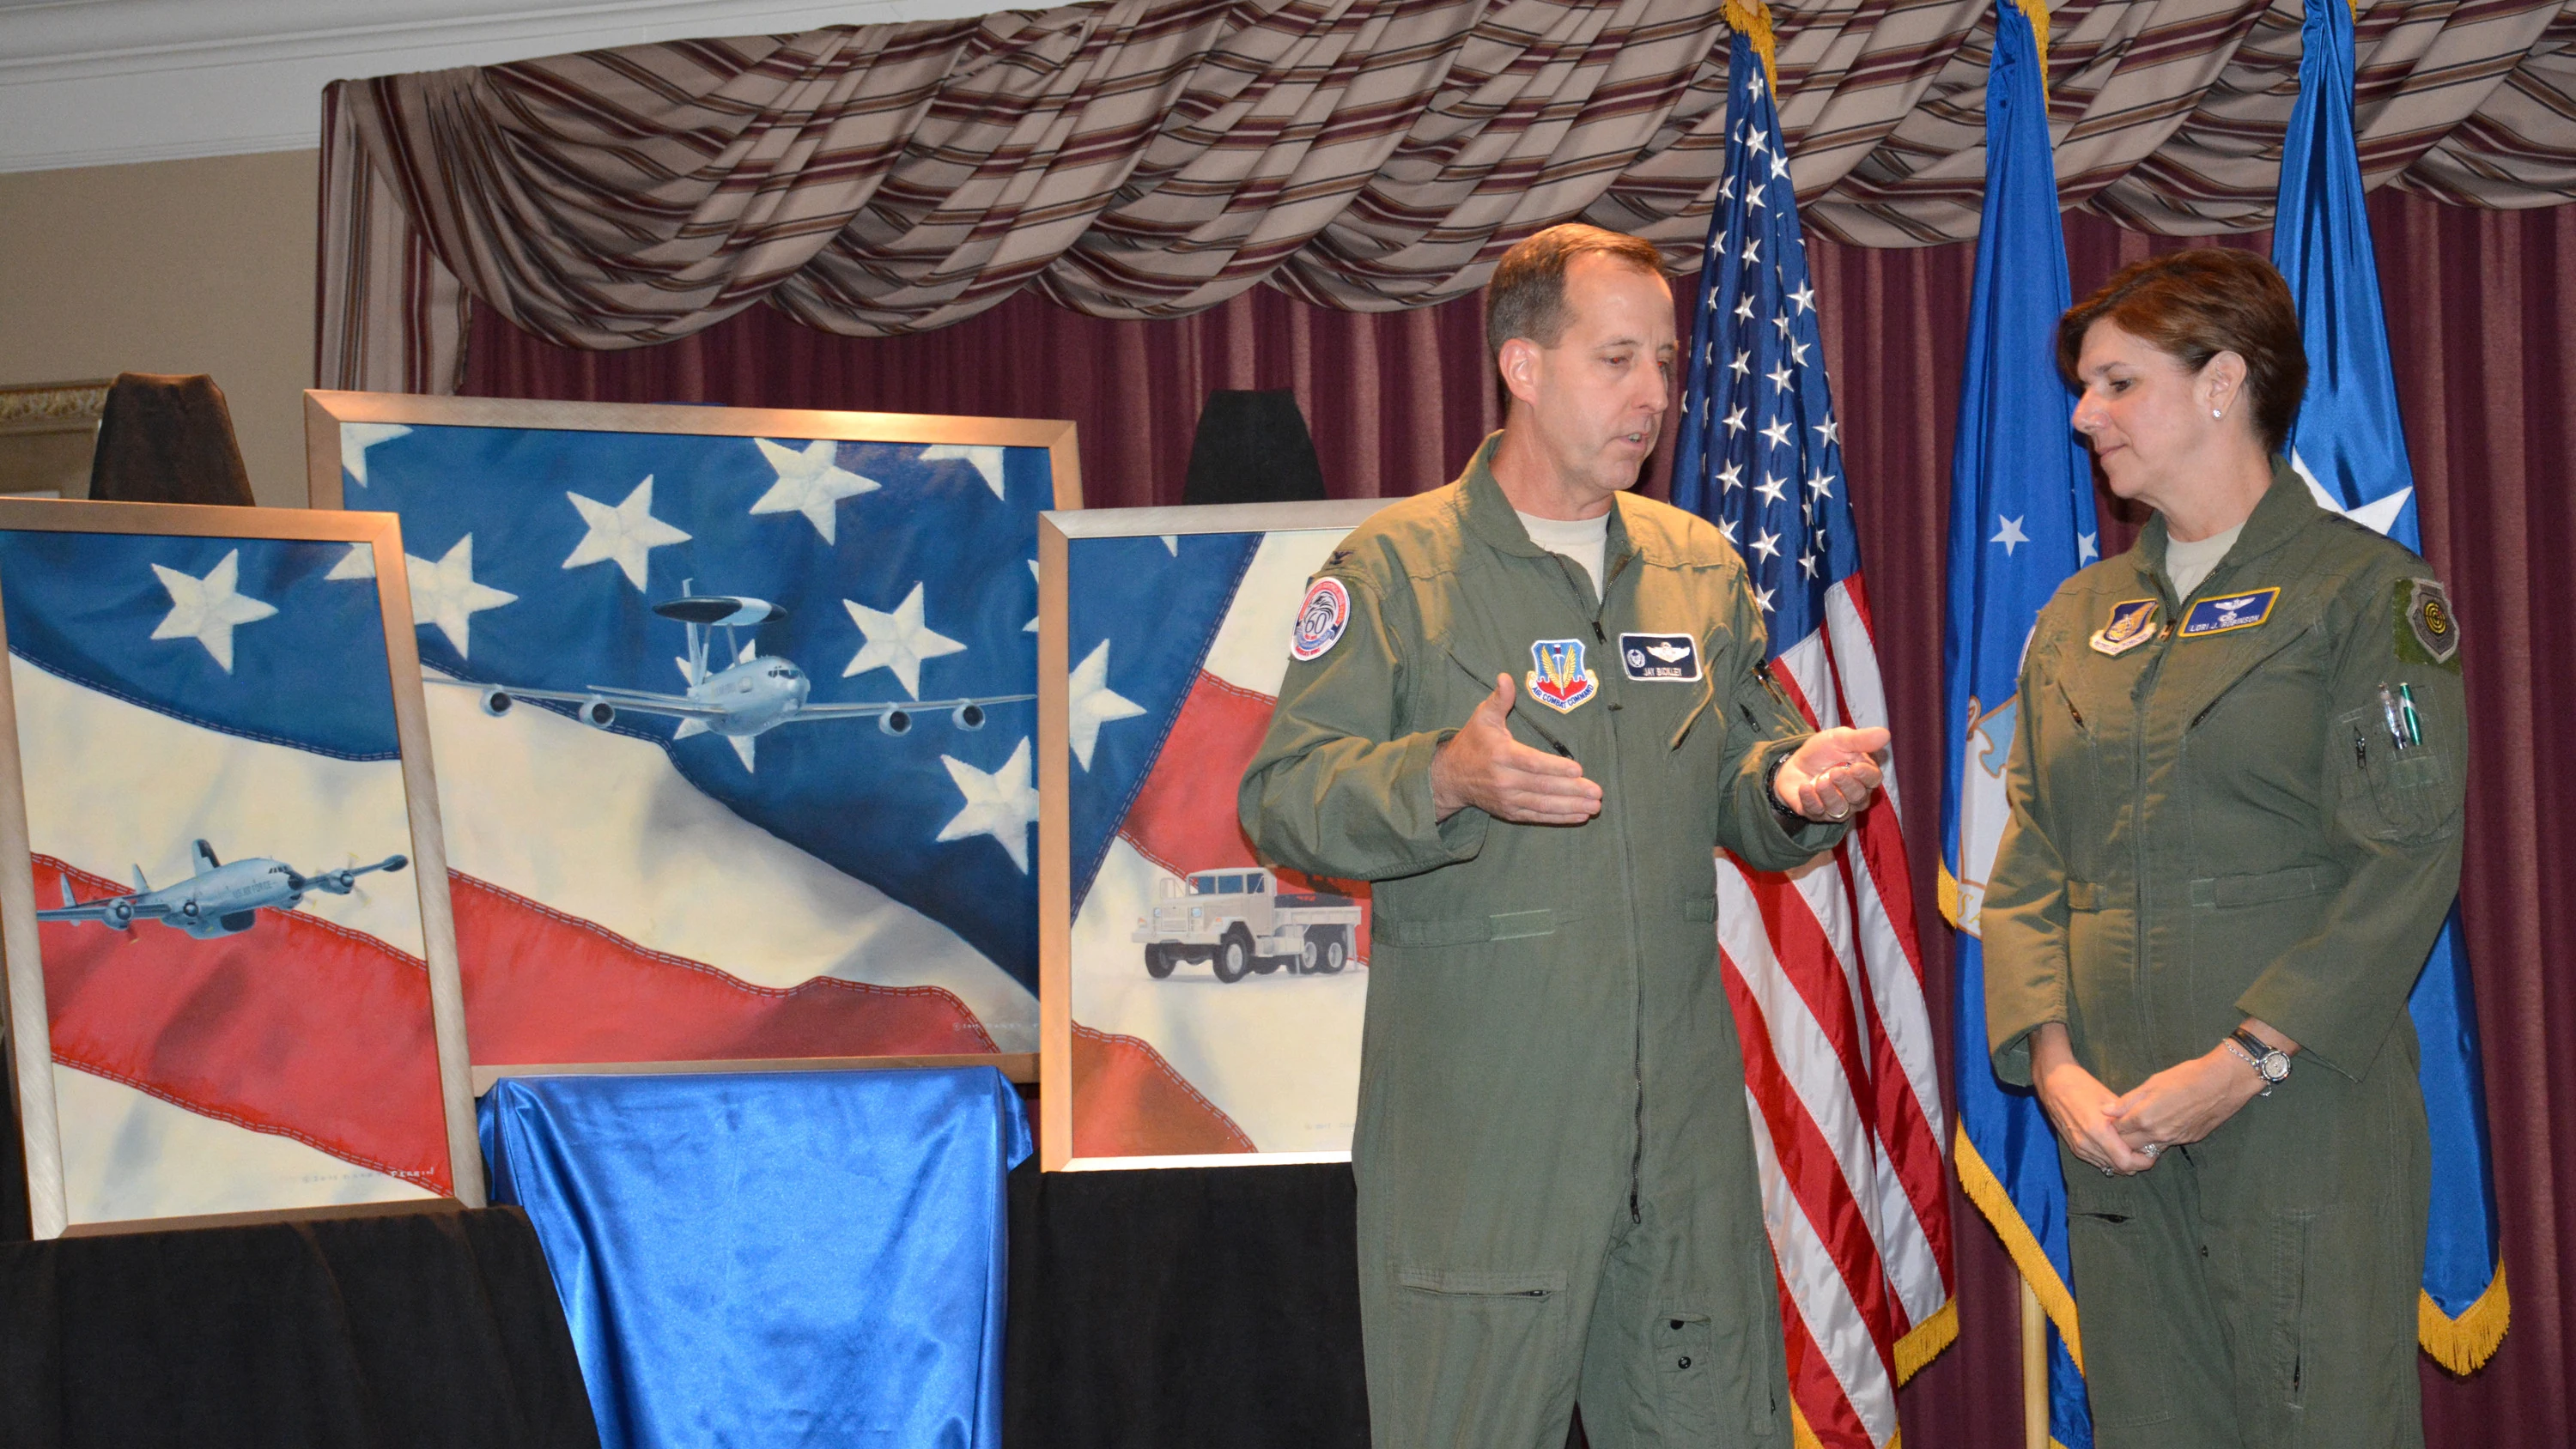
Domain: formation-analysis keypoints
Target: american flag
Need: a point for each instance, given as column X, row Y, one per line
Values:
column 1822, row 963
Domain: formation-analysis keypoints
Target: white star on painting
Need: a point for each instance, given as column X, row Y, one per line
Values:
column 1778, row 432
column 810, row 483
column 1768, row 545
column 445, row 594
column 1089, row 703
column 2009, row 535
column 208, row 609
column 1772, row 488
column 2086, row 549
column 358, row 563
column 1002, row 804
column 1031, row 626
column 357, row 438
column 1171, row 543
column 986, row 458
column 626, row 534
column 898, row 641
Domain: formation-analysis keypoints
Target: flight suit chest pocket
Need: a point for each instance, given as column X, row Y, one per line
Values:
column 2386, row 793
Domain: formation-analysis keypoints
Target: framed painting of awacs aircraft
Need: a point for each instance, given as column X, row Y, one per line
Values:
column 232, row 976
column 738, row 709
column 1202, row 1007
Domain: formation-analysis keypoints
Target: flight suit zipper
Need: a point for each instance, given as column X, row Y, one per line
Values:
column 1628, row 892
column 2142, row 696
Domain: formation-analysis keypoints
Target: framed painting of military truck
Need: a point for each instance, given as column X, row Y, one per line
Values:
column 1197, row 1004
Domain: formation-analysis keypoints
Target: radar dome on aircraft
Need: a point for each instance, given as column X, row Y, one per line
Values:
column 729, row 610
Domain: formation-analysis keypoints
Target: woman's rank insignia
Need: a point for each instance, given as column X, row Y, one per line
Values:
column 2132, row 624
column 1560, row 681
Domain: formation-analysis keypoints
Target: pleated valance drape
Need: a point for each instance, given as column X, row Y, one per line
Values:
column 1150, row 158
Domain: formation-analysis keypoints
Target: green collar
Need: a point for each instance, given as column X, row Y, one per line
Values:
column 1491, row 517
column 2282, row 513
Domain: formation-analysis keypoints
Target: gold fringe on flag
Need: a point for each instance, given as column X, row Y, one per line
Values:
column 1752, row 20
column 1924, row 1341
column 2037, row 14
column 2462, row 1344
column 1987, row 1192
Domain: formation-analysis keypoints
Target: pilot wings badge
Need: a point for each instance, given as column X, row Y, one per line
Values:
column 1560, row 681
column 2132, row 624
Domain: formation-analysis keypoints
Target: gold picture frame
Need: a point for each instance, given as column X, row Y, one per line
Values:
column 30, row 1036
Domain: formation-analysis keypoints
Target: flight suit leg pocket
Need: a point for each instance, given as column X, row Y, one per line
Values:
column 2289, row 1346
column 1482, row 1350
column 2113, row 1235
column 1687, row 1397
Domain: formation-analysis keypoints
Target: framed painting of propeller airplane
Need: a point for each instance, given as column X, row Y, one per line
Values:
column 739, row 710
column 232, row 977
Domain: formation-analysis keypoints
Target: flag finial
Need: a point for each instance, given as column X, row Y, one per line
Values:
column 1752, row 19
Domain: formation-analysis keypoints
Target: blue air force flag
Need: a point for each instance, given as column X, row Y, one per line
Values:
column 2021, row 521
column 2349, row 445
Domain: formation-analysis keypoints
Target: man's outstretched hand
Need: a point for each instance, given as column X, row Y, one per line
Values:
column 1482, row 765
column 1832, row 775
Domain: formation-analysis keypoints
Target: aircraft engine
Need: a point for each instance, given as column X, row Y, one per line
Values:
column 120, row 914
column 967, row 717
column 496, row 702
column 598, row 713
column 894, row 722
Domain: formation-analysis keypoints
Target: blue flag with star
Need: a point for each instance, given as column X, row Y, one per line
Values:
column 2021, row 521
column 2350, row 446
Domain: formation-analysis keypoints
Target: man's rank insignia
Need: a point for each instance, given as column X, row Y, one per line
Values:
column 1560, row 681
column 1660, row 658
column 2133, row 622
column 2236, row 611
column 2427, row 633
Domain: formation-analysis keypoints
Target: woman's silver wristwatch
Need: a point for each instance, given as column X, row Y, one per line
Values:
column 2269, row 1062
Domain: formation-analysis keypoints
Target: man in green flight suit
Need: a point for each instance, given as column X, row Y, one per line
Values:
column 1555, row 1163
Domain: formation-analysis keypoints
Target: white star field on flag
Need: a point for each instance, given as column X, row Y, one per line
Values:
column 209, row 609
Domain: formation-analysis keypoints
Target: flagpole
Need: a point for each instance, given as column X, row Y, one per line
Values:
column 2034, row 1369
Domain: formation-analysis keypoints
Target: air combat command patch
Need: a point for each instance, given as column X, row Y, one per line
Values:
column 1560, row 681
column 2427, row 632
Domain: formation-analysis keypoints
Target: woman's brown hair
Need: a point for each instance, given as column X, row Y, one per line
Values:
column 2195, row 305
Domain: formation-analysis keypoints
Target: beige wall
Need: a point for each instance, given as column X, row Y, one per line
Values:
column 171, row 266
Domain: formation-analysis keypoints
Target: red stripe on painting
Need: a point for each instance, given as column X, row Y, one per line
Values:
column 543, row 986
column 1184, row 816
column 295, row 1027
column 1128, row 1102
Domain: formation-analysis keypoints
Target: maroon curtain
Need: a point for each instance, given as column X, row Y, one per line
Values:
column 2481, row 306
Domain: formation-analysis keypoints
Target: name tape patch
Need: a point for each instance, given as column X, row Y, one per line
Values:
column 2133, row 622
column 2236, row 611
column 1660, row 658
column 1320, row 620
column 1559, row 679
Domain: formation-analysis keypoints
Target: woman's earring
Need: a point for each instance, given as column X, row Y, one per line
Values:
column 2216, row 413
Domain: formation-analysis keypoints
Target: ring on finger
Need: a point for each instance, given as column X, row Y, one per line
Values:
column 2151, row 1149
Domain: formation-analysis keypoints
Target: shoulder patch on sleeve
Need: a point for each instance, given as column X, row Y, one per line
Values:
column 2427, row 631
column 1321, row 619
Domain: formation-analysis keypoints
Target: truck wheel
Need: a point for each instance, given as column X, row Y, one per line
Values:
column 1310, row 954
column 1158, row 961
column 1233, row 960
column 1336, row 950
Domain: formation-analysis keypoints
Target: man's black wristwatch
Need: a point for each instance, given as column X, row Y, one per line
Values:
column 2269, row 1062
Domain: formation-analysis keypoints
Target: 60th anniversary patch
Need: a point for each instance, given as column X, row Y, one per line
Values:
column 1320, row 620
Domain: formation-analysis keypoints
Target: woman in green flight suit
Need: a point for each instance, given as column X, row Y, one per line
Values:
column 2236, row 785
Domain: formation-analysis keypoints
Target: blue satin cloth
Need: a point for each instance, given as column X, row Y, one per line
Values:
column 773, row 1259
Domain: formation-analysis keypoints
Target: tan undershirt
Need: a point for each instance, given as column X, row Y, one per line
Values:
column 1584, row 540
column 2187, row 564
